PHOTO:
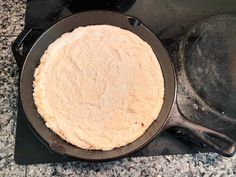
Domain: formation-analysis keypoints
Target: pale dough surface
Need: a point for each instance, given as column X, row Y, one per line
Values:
column 99, row 87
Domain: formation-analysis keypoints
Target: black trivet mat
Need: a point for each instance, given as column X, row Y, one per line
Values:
column 169, row 20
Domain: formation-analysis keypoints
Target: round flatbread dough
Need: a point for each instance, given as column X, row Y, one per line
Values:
column 99, row 87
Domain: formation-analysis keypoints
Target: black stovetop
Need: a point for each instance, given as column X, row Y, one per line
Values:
column 200, row 37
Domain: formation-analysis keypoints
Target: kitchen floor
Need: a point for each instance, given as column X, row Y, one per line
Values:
column 11, row 23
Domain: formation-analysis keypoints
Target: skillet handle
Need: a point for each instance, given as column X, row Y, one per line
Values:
column 17, row 44
column 221, row 143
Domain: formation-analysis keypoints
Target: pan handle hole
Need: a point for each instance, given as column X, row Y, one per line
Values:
column 134, row 21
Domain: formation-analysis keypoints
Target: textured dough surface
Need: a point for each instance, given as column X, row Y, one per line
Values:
column 99, row 87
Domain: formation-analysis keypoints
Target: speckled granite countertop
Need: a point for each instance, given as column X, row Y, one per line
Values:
column 11, row 23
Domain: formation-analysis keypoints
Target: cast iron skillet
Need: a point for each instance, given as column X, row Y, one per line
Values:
column 220, row 142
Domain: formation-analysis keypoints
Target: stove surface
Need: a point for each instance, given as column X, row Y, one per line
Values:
column 200, row 37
